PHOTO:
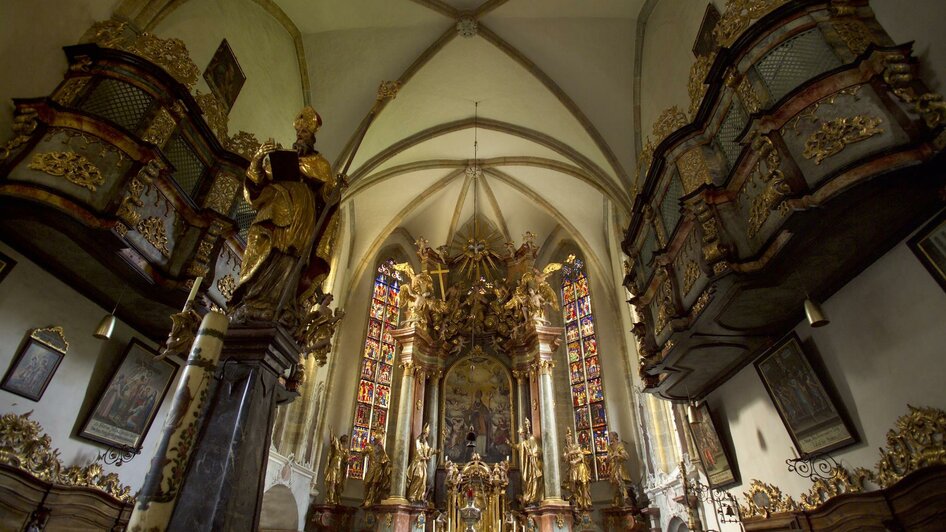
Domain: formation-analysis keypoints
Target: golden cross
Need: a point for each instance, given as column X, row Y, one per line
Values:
column 440, row 272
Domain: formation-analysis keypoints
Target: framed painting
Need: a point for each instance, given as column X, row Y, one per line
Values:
column 929, row 245
column 721, row 471
column 35, row 363
column 224, row 75
column 813, row 420
column 126, row 408
column 6, row 264
column 477, row 393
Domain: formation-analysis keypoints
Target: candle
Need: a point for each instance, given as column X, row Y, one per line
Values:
column 194, row 288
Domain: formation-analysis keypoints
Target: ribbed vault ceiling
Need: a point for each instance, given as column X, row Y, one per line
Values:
column 553, row 79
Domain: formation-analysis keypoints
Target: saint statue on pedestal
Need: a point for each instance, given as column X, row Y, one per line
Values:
column 578, row 476
column 378, row 475
column 417, row 471
column 617, row 474
column 293, row 193
column 530, row 464
column 335, row 471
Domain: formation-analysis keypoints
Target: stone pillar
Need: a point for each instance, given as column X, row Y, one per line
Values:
column 522, row 396
column 158, row 495
column 402, row 436
column 433, row 417
column 223, row 487
column 420, row 390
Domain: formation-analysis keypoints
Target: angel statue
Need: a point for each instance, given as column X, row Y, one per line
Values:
column 335, row 471
column 533, row 294
column 417, row 295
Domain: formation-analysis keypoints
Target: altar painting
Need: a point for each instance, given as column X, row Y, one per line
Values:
column 481, row 398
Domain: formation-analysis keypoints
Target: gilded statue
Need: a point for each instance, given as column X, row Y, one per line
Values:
column 378, row 475
column 578, row 476
column 294, row 194
column 453, row 474
column 337, row 468
column 617, row 474
column 318, row 328
column 530, row 465
column 417, row 471
column 533, row 294
column 416, row 296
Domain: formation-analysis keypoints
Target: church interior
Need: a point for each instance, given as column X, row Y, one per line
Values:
column 472, row 265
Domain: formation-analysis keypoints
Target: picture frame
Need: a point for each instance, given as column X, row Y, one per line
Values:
column 224, row 75
column 721, row 470
column 128, row 404
column 6, row 264
column 36, row 362
column 811, row 415
column 929, row 245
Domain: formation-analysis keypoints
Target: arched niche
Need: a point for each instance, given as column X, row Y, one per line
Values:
column 477, row 391
column 279, row 511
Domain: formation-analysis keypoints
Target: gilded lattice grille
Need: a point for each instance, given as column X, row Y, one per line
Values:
column 729, row 130
column 670, row 205
column 796, row 61
column 118, row 102
column 188, row 168
column 243, row 215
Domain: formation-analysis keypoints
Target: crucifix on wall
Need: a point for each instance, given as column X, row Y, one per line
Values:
column 441, row 272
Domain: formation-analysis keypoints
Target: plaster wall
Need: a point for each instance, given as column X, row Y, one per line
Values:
column 33, row 33
column 882, row 351
column 29, row 298
column 272, row 94
column 917, row 24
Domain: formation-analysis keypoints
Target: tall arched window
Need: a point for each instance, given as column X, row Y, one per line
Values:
column 584, row 366
column 377, row 367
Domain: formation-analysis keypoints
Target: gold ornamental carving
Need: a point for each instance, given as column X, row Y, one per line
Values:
column 664, row 305
column 160, row 129
column 775, row 188
column 53, row 337
column 695, row 85
column 70, row 90
column 693, row 170
column 810, row 113
column 24, row 123
column 855, row 34
column 24, row 445
column 222, row 193
column 69, row 164
column 153, row 230
column 833, row 136
column 748, row 95
column 739, row 15
column 169, row 54
column 763, row 500
column 226, row 285
column 243, row 143
column 136, row 186
column 215, row 114
column 690, row 274
column 668, row 121
column 917, row 440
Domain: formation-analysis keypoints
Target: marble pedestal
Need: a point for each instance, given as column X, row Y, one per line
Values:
column 552, row 515
column 223, row 486
column 330, row 517
column 394, row 516
column 627, row 518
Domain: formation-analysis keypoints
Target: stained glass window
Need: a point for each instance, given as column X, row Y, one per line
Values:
column 377, row 368
column 584, row 367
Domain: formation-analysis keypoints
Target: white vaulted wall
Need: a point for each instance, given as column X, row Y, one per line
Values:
column 30, row 297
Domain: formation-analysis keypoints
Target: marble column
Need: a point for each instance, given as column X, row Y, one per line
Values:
column 550, row 450
column 420, row 393
column 522, row 396
column 158, row 495
column 433, row 417
column 402, row 435
column 223, row 487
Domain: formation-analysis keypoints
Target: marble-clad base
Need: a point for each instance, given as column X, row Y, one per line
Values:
column 223, row 486
column 329, row 517
column 627, row 518
column 395, row 517
column 552, row 515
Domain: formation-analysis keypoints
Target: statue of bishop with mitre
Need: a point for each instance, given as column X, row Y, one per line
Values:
column 295, row 195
